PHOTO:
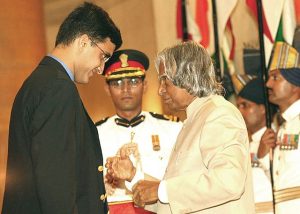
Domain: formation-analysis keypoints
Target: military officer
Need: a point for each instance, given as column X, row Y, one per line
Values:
column 284, row 90
column 250, row 102
column 149, row 136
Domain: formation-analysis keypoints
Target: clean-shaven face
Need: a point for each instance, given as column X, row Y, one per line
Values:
column 127, row 93
column 92, row 59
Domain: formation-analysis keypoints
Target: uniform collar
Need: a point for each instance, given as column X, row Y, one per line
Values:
column 292, row 111
column 134, row 122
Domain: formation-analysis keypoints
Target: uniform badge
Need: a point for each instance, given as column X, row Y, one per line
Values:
column 289, row 142
column 155, row 143
column 124, row 60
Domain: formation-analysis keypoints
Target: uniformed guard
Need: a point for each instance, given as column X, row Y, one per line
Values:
column 250, row 102
column 148, row 137
column 284, row 90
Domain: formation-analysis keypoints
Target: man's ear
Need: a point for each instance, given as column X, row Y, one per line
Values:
column 82, row 41
column 106, row 89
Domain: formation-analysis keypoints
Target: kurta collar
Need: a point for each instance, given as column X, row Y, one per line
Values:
column 195, row 105
column 292, row 111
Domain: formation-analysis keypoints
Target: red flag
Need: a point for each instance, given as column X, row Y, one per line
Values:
column 297, row 11
column 229, row 26
column 202, row 21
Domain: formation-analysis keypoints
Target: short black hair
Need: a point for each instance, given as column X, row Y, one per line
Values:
column 91, row 20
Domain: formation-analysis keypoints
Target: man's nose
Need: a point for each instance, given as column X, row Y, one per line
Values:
column 125, row 85
column 268, row 83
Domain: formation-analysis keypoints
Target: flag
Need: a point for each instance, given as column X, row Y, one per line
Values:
column 202, row 20
column 279, row 22
column 297, row 11
column 289, row 21
column 192, row 13
column 200, row 24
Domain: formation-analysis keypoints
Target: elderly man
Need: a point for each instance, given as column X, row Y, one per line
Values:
column 284, row 90
column 209, row 170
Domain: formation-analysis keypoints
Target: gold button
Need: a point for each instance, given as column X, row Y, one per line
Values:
column 277, row 173
column 100, row 168
column 102, row 197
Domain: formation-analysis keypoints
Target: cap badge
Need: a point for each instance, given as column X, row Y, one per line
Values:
column 124, row 58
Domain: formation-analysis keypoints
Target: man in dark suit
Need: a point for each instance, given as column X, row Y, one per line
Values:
column 54, row 160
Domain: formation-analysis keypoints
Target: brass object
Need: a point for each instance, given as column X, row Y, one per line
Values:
column 124, row 58
column 155, row 143
column 100, row 168
column 102, row 197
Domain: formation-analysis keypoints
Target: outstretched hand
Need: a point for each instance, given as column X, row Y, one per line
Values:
column 119, row 168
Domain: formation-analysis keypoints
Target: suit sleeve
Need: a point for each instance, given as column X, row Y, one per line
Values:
column 54, row 148
column 224, row 149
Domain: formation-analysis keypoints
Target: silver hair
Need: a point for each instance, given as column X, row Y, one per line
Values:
column 189, row 66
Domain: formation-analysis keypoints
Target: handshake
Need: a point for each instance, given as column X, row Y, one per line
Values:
column 124, row 167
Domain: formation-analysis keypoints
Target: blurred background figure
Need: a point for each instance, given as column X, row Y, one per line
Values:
column 250, row 102
column 284, row 90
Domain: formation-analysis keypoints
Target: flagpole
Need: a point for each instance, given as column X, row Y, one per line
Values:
column 184, row 21
column 216, row 41
column 264, row 72
column 264, row 77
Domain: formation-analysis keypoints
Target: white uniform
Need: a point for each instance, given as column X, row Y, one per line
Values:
column 287, row 162
column 260, row 172
column 113, row 137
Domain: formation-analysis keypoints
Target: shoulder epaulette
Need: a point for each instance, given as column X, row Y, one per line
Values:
column 165, row 117
column 98, row 123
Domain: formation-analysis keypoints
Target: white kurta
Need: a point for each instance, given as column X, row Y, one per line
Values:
column 113, row 137
column 286, row 163
column 209, row 169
